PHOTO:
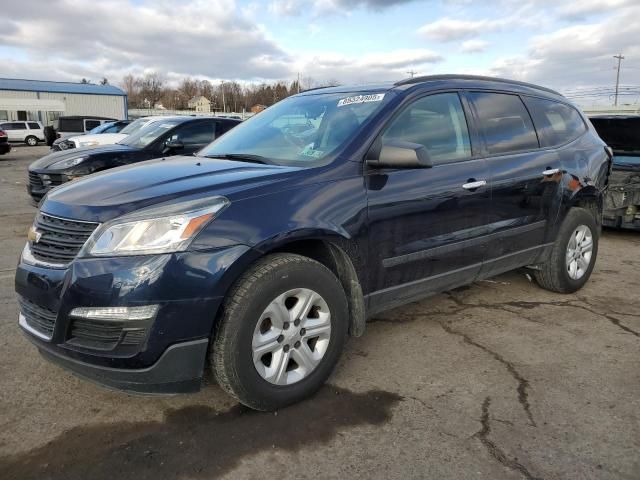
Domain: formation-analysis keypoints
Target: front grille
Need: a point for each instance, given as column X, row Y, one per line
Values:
column 101, row 335
column 35, row 181
column 60, row 239
column 40, row 319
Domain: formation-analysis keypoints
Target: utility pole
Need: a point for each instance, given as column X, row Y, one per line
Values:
column 224, row 104
column 298, row 82
column 620, row 58
column 411, row 73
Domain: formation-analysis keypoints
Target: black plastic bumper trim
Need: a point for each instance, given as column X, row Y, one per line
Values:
column 179, row 370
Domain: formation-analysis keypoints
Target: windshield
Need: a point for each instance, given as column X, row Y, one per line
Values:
column 149, row 133
column 100, row 128
column 134, row 126
column 300, row 131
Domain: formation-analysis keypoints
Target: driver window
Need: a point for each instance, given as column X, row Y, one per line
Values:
column 199, row 133
column 437, row 122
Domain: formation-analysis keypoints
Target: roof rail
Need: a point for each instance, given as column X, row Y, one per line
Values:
column 318, row 88
column 432, row 78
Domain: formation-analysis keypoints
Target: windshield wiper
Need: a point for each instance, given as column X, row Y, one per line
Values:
column 241, row 157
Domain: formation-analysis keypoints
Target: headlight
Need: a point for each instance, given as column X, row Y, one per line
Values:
column 161, row 229
column 69, row 162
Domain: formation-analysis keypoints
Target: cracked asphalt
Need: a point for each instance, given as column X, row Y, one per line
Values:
column 498, row 380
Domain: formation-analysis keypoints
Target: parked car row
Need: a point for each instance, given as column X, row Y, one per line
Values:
column 146, row 139
column 258, row 256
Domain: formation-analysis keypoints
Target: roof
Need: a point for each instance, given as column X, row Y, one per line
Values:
column 199, row 98
column 435, row 81
column 58, row 87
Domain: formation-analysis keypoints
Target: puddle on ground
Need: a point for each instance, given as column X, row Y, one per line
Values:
column 196, row 441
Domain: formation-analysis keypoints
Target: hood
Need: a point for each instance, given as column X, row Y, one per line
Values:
column 98, row 139
column 103, row 196
column 48, row 160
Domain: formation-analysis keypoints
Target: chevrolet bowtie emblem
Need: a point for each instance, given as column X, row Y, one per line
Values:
column 34, row 235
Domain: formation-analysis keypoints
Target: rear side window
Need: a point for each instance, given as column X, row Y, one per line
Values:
column 14, row 126
column 70, row 125
column 504, row 122
column 34, row 126
column 438, row 123
column 556, row 122
column 91, row 124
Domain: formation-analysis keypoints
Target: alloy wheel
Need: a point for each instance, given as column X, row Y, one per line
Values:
column 291, row 336
column 579, row 252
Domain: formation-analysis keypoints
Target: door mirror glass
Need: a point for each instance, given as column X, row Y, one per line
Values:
column 400, row 154
column 174, row 144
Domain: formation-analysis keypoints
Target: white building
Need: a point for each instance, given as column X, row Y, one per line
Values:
column 46, row 101
column 200, row 104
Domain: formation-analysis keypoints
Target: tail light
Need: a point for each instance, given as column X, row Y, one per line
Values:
column 2, row 134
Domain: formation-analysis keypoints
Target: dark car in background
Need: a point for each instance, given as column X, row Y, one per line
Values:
column 259, row 256
column 622, row 202
column 173, row 136
column 5, row 146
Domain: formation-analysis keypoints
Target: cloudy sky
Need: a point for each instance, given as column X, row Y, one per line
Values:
column 563, row 44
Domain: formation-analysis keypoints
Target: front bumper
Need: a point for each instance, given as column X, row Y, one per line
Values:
column 169, row 356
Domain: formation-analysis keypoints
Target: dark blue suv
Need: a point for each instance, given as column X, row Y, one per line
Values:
column 260, row 255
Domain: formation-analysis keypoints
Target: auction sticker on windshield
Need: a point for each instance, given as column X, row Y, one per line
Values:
column 376, row 97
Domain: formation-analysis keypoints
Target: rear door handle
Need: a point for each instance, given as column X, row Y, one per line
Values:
column 473, row 185
column 551, row 171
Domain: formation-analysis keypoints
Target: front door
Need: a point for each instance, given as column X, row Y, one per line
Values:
column 426, row 225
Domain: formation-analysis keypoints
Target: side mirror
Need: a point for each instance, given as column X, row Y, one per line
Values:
column 174, row 145
column 399, row 154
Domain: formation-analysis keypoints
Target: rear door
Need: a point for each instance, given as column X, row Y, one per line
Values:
column 36, row 129
column 426, row 225
column 525, row 181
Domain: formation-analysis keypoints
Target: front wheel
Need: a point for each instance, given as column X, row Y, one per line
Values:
column 31, row 141
column 283, row 327
column 573, row 255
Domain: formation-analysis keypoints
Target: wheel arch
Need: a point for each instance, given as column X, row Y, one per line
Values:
column 332, row 250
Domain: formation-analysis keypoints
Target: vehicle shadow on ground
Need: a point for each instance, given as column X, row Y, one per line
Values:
column 196, row 441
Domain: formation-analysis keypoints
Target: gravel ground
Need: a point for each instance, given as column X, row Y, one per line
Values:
column 497, row 380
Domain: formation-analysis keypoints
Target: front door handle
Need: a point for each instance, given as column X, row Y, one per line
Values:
column 551, row 171
column 472, row 185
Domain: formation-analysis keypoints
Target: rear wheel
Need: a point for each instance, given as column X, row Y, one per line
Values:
column 31, row 141
column 573, row 255
column 282, row 330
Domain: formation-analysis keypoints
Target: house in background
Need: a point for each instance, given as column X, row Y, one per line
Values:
column 37, row 100
column 200, row 104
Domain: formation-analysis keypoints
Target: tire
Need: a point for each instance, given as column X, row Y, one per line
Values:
column 246, row 310
column 556, row 273
column 31, row 141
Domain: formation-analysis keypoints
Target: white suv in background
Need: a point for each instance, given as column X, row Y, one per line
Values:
column 28, row 132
